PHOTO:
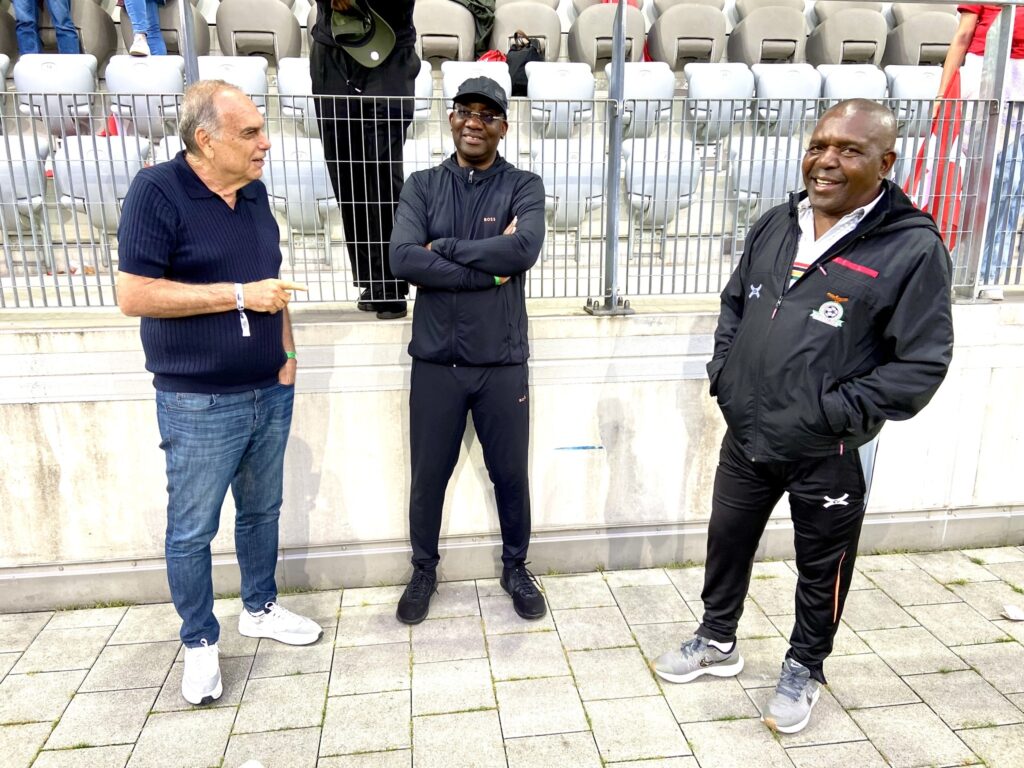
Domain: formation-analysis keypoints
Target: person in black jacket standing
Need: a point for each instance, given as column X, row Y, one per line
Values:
column 837, row 319
column 466, row 232
column 365, row 50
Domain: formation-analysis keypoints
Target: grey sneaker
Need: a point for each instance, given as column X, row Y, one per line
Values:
column 789, row 709
column 695, row 658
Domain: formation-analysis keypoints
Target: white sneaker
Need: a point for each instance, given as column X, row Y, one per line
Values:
column 140, row 46
column 201, row 682
column 278, row 623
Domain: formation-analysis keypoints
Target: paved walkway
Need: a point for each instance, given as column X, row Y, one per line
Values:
column 925, row 673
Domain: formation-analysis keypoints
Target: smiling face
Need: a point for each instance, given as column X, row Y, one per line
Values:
column 236, row 151
column 476, row 142
column 849, row 154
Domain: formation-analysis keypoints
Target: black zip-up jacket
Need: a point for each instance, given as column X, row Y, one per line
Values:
column 461, row 317
column 865, row 335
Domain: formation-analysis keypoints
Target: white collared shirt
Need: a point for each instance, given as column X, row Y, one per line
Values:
column 809, row 249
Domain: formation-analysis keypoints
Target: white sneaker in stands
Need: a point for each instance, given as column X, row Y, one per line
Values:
column 140, row 46
column 201, row 682
column 278, row 623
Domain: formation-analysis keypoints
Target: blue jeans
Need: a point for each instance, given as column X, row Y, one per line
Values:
column 211, row 443
column 1004, row 210
column 145, row 18
column 26, row 13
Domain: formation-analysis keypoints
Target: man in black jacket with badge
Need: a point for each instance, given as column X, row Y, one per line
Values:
column 836, row 320
column 466, row 232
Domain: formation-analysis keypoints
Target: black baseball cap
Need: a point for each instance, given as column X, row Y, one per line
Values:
column 485, row 90
column 364, row 35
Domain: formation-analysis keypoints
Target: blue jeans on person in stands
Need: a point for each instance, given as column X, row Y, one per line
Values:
column 26, row 13
column 212, row 443
column 1003, row 212
column 145, row 18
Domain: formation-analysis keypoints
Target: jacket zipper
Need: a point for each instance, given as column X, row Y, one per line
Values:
column 455, row 303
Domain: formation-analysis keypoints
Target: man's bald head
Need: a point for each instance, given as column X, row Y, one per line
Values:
column 878, row 116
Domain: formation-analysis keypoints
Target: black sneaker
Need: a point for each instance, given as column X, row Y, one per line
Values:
column 365, row 303
column 391, row 310
column 526, row 596
column 415, row 603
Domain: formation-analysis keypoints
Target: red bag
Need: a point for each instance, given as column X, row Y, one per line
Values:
column 492, row 55
column 938, row 187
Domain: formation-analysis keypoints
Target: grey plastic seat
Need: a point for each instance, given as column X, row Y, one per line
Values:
column 827, row 9
column 423, row 89
column 647, row 91
column 901, row 12
column 852, row 81
column 912, row 92
column 746, row 7
column 561, row 96
column 8, row 39
column 590, row 37
column 574, row 182
column 168, row 147
column 170, row 28
column 97, row 33
column 145, row 91
column 684, row 34
column 718, row 96
column 539, row 22
column 763, row 170
column 295, row 88
column 445, row 31
column 454, row 73
column 851, row 36
column 5, row 64
column 768, row 35
column 249, row 73
column 924, row 38
column 268, row 27
column 418, row 155
column 22, row 190
column 57, row 88
column 787, row 94
column 659, row 7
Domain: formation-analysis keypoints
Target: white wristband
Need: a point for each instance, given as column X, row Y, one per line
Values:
column 239, row 297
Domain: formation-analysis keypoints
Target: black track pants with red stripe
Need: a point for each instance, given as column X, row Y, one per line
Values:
column 827, row 500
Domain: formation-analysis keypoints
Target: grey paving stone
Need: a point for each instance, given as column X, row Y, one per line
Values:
column 998, row 747
column 949, row 566
column 755, row 623
column 161, row 744
column 272, row 703
column 231, row 644
column 539, row 707
column 371, row 669
column 912, row 587
column 762, row 661
column 956, row 624
column 689, row 581
column 829, row 722
column 635, row 729
column 895, row 562
column 1014, row 629
column 1017, row 699
column 736, row 744
column 587, row 590
column 500, row 618
column 279, row 749
column 656, row 639
column 147, row 624
column 873, row 609
column 987, row 597
column 490, row 588
column 234, row 673
column 87, row 617
column 93, row 757
column 866, row 681
column 321, row 607
column 370, row 722
column 98, row 719
column 845, row 643
column 964, row 699
column 275, row 659
column 994, row 555
column 854, row 754
column 364, row 596
column 668, row 762
column 588, row 628
column 641, row 577
column 37, row 698
column 439, row 741
column 773, row 588
column 575, row 749
column 612, row 673
column 1002, row 664
column 1011, row 573
column 7, row 662
column 140, row 665
column 708, row 698
column 397, row 758
column 18, row 630
column 455, row 598
column 451, row 686
column 912, row 735
column 19, row 743
column 525, row 655
column 652, row 604
column 912, row 651
column 60, row 649
column 448, row 640
column 370, row 625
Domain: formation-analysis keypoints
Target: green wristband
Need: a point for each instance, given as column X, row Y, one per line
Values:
column 497, row 280
column 290, row 355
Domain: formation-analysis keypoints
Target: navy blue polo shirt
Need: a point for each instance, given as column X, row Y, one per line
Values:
column 173, row 226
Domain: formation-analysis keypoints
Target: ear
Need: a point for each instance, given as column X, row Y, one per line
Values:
column 888, row 160
column 204, row 143
column 504, row 127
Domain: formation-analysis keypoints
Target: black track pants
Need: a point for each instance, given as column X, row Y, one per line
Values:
column 440, row 396
column 827, row 501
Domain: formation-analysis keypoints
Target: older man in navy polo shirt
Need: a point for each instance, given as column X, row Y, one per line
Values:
column 199, row 262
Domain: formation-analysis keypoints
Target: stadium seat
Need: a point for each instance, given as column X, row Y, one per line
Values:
column 852, row 81
column 295, row 88
column 647, row 93
column 912, row 92
column 685, row 34
column 445, row 31
column 717, row 98
column 97, row 33
column 5, row 64
column 573, row 173
column 563, row 83
column 268, row 27
column 827, row 9
column 552, row 4
column 22, row 192
column 8, row 40
column 746, row 7
column 170, row 28
column 454, row 73
column 787, row 95
column 851, row 36
column 58, row 89
column 417, row 155
column 144, row 91
column 659, row 7
column 539, row 22
column 590, row 37
column 763, row 170
column 901, row 12
column 768, row 34
column 924, row 38
column 245, row 72
column 168, row 147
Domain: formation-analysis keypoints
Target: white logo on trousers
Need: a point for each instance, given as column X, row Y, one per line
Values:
column 840, row 502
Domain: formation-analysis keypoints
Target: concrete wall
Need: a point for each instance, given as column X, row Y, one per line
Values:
column 624, row 446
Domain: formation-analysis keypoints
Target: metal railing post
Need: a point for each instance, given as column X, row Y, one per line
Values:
column 187, row 42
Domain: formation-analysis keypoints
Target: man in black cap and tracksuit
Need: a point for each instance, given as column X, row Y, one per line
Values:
column 466, row 232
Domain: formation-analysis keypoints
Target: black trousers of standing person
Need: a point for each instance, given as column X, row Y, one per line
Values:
column 827, row 503
column 363, row 137
column 440, row 397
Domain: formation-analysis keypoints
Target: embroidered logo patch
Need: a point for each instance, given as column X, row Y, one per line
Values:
column 839, row 502
column 755, row 291
column 829, row 313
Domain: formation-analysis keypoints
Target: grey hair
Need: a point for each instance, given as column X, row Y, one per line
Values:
column 198, row 110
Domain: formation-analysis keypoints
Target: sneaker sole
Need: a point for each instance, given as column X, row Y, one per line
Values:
column 796, row 727
column 413, row 622
column 520, row 614
column 198, row 701
column 287, row 639
column 719, row 670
